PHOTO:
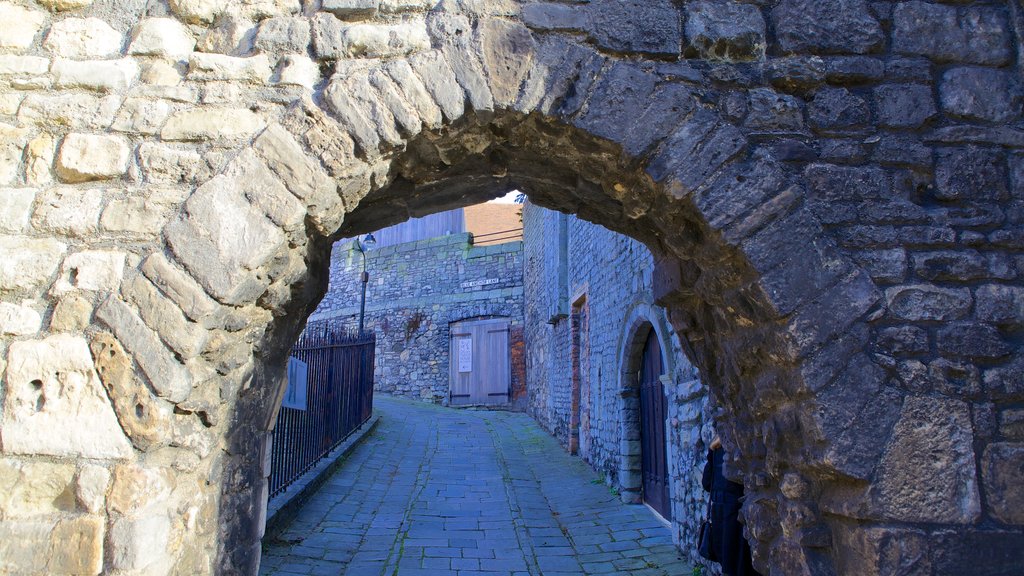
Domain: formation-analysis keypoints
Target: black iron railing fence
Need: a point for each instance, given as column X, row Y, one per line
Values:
column 498, row 237
column 339, row 399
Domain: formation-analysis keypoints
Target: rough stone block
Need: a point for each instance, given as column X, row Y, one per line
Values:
column 139, row 544
column 163, row 37
column 211, row 123
column 508, row 52
column 55, row 404
column 648, row 27
column 696, row 150
column 252, row 69
column 837, row 109
column 262, row 188
column 159, row 313
column 928, row 302
column 232, row 35
column 1000, row 304
column 33, row 488
column 86, row 157
column 169, row 378
column 405, row 116
column 141, row 116
column 223, row 241
column 95, row 270
column 144, row 418
column 883, row 551
column 437, row 76
column 65, row 5
column 91, row 487
column 39, row 154
column 618, row 95
column 28, row 262
column 927, row 473
column 197, row 11
column 771, row 111
column 904, row 105
column 12, row 65
column 971, row 173
column 839, row 27
column 553, row 16
column 102, row 75
column 83, row 38
column 76, row 111
column 180, row 287
column 18, row 320
column 948, row 33
column 980, row 94
column 972, row 341
column 15, row 208
column 162, row 164
column 298, row 70
column 351, row 9
column 12, row 143
column 21, row 25
column 283, row 34
column 72, row 314
column 728, row 32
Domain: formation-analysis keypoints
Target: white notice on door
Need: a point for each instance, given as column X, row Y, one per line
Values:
column 465, row 354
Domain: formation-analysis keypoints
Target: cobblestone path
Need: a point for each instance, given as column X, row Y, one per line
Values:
column 436, row 491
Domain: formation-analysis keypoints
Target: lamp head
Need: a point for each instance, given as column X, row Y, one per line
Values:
column 369, row 241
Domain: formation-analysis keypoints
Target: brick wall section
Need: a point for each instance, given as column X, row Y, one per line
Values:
column 416, row 290
column 610, row 276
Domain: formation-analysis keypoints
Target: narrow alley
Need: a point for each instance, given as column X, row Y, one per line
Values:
column 436, row 491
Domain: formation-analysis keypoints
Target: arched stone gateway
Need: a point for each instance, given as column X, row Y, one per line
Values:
column 833, row 191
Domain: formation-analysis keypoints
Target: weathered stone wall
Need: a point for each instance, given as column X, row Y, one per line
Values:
column 831, row 192
column 612, row 274
column 416, row 290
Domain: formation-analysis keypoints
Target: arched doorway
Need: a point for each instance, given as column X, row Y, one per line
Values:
column 653, row 410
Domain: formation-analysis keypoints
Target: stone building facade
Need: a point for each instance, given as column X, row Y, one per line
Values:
column 415, row 292
column 831, row 191
column 575, row 267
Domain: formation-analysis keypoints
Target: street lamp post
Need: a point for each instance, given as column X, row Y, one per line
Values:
column 367, row 242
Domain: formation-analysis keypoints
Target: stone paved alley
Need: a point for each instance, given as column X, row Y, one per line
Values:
column 435, row 491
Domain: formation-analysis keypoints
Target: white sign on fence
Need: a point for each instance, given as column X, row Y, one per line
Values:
column 295, row 394
column 465, row 354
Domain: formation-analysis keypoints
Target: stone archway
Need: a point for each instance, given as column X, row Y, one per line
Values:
column 172, row 224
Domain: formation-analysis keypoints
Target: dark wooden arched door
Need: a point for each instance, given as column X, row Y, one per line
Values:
column 653, row 411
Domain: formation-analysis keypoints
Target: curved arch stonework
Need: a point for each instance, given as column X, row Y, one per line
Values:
column 832, row 192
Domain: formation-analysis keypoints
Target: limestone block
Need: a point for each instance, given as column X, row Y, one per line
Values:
column 223, row 241
column 163, row 37
column 75, row 111
column 39, row 154
column 55, row 404
column 652, row 27
column 160, row 73
column 20, row 25
column 980, row 94
column 94, row 270
column 65, row 5
column 928, row 473
column 28, row 262
column 300, row 174
column 9, row 102
column 232, row 35
column 140, row 544
column 12, row 142
column 508, row 52
column 101, row 76
column 212, row 123
column 83, row 38
column 926, row 302
column 396, row 6
column 168, row 165
column 168, row 377
column 728, row 32
column 141, row 116
column 86, row 157
column 137, row 490
column 197, row 11
column 144, row 418
column 298, row 70
column 91, row 487
column 770, row 110
column 384, row 41
column 415, row 92
column 68, row 211
column 72, row 314
column 351, row 9
column 15, row 208
column 948, row 33
column 52, row 546
column 439, row 79
column 283, row 34
column 261, row 187
column 12, row 65
column 405, row 116
column 31, row 488
column 135, row 215
column 252, row 69
column 18, row 320
column 840, row 27
column 180, row 287
column 159, row 313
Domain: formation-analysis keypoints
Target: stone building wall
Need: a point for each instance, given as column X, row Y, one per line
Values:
column 571, row 263
column 415, row 291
